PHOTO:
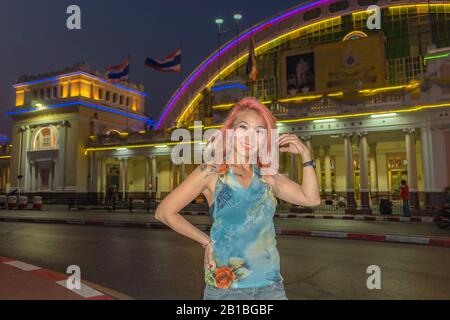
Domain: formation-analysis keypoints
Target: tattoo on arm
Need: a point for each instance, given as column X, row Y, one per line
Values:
column 208, row 168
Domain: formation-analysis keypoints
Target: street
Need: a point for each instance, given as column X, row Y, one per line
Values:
column 160, row 264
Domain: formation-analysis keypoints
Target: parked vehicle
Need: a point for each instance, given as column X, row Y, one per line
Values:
column 442, row 215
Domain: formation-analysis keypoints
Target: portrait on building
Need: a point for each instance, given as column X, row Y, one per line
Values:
column 298, row 73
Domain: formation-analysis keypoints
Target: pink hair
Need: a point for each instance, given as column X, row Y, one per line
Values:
column 248, row 103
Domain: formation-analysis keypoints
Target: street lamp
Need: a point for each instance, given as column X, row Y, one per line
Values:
column 219, row 22
column 237, row 17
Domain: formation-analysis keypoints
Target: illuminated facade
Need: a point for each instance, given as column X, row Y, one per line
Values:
column 55, row 116
column 372, row 105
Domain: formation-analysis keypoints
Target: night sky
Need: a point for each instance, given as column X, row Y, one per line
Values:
column 35, row 38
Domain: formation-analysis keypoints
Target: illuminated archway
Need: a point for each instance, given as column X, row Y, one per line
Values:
column 189, row 95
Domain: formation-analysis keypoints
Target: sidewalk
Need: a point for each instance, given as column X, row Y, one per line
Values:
column 23, row 281
column 405, row 232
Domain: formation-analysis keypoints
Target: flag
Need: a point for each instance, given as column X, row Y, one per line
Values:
column 251, row 67
column 171, row 63
column 119, row 72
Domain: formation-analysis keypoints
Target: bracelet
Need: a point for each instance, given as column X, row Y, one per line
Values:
column 205, row 245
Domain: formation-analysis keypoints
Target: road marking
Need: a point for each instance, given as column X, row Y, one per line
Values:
column 407, row 239
column 22, row 265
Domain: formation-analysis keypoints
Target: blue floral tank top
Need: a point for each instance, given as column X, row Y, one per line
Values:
column 243, row 234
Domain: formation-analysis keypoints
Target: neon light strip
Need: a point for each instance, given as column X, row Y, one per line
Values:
column 175, row 98
column 57, row 78
column 231, row 86
column 82, row 103
column 5, row 157
column 229, row 46
column 300, row 98
column 445, row 55
column 413, row 109
column 137, row 146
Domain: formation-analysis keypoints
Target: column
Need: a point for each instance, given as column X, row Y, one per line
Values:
column 427, row 165
column 294, row 166
column 318, row 166
column 412, row 166
column 183, row 171
column 92, row 171
column 351, row 203
column 174, row 175
column 364, row 173
column 307, row 141
column 154, row 188
column 61, row 167
column 38, row 179
column 327, row 160
column 123, row 181
column 373, row 169
column 147, row 173
column 101, row 163
column 50, row 177
column 127, row 181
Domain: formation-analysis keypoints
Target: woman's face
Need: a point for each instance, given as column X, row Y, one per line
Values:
column 250, row 133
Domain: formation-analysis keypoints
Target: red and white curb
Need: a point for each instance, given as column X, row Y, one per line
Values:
column 426, row 219
column 431, row 241
column 60, row 279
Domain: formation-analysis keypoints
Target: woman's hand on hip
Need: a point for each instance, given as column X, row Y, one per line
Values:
column 209, row 261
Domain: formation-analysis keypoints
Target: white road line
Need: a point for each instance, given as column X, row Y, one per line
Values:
column 85, row 291
column 22, row 265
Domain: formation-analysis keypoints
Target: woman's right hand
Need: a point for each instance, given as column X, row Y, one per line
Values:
column 208, row 261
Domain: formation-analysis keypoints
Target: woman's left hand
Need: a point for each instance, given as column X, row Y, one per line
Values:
column 294, row 145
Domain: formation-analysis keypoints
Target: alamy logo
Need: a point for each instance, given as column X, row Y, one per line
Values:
column 374, row 280
column 73, row 22
column 74, row 281
column 374, row 19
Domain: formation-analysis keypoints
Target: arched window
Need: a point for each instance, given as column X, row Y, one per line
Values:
column 45, row 139
column 113, row 131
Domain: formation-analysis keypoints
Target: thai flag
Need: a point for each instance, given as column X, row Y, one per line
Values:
column 119, row 72
column 171, row 63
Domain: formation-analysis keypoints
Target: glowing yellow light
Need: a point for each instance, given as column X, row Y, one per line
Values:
column 301, row 98
column 406, row 110
column 229, row 105
column 223, row 106
column 138, row 146
column 20, row 98
column 353, row 34
column 419, row 6
column 199, row 96
column 377, row 90
column 337, row 94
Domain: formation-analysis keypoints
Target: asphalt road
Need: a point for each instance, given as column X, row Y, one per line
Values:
column 160, row 264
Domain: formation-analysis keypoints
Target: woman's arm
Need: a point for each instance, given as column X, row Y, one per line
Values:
column 168, row 210
column 285, row 189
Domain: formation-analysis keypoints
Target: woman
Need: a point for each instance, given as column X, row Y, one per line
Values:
column 241, row 258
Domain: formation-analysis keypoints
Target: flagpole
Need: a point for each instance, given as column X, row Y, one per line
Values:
column 181, row 67
column 128, row 86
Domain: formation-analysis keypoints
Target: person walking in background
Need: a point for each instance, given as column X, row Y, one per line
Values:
column 405, row 196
